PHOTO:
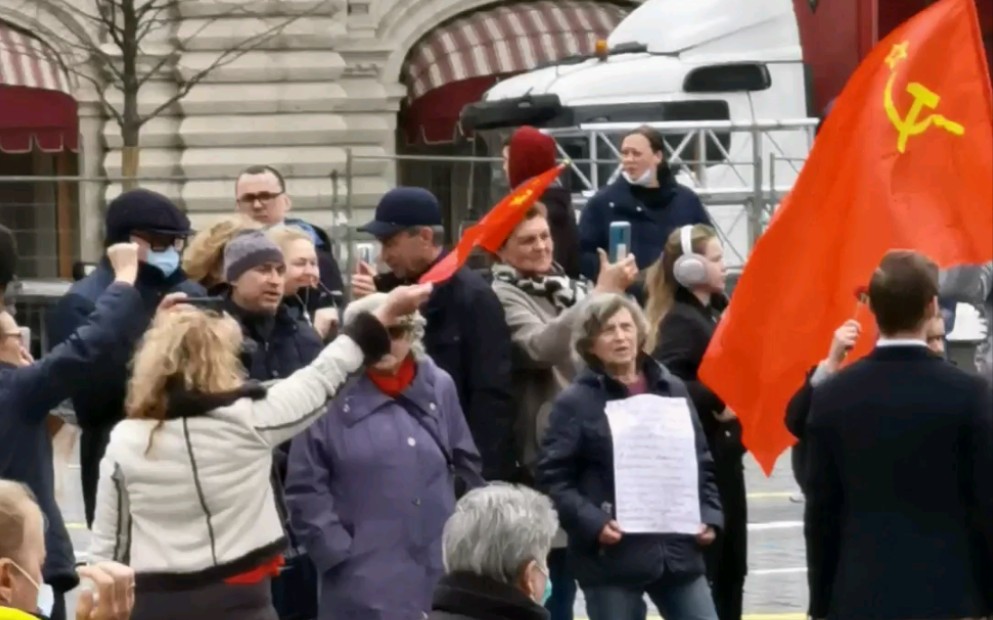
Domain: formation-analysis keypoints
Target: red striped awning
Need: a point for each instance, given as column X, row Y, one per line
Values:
column 37, row 109
column 481, row 47
column 508, row 39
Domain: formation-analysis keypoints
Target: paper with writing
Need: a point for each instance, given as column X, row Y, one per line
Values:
column 656, row 474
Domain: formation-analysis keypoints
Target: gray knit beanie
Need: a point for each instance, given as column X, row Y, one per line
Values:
column 247, row 251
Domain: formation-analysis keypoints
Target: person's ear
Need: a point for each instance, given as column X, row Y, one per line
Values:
column 525, row 581
column 6, row 583
column 933, row 308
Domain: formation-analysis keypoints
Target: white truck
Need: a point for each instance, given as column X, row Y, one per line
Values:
column 724, row 80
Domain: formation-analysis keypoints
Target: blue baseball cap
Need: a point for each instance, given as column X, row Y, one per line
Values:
column 402, row 208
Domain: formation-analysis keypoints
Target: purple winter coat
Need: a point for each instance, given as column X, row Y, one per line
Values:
column 369, row 490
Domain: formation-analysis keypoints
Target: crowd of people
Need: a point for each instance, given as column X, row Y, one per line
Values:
column 262, row 440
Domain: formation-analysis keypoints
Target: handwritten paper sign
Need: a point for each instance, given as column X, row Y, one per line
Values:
column 656, row 473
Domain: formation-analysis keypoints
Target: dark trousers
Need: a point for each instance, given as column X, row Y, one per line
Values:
column 294, row 592
column 563, row 586
column 727, row 557
column 59, row 607
column 92, row 444
column 217, row 601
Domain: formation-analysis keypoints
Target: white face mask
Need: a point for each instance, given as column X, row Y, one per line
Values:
column 644, row 180
column 46, row 596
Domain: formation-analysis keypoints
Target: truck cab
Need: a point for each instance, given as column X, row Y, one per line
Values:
column 726, row 86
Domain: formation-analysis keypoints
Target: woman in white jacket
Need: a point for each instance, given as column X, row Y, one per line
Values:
column 184, row 495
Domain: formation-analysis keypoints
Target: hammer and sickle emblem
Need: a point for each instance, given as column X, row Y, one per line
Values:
column 518, row 201
column 911, row 124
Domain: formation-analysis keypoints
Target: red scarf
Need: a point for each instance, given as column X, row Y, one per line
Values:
column 394, row 384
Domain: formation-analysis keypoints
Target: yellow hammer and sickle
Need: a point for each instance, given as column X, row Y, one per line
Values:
column 911, row 124
column 516, row 202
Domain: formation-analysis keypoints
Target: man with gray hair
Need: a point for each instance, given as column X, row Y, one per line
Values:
column 494, row 548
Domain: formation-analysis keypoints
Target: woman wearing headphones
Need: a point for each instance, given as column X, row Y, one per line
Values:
column 685, row 297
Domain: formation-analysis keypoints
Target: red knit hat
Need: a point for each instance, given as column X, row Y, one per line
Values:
column 530, row 153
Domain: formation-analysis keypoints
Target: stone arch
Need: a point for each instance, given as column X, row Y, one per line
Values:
column 408, row 21
column 51, row 30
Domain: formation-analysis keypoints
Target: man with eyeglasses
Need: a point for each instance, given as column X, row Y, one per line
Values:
column 159, row 229
column 261, row 195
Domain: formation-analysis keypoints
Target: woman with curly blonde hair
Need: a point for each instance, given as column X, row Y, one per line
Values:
column 203, row 260
column 184, row 494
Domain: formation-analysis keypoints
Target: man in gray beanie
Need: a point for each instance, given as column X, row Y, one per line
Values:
column 159, row 228
column 276, row 344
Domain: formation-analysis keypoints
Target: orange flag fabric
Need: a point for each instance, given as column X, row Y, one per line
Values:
column 904, row 160
column 491, row 231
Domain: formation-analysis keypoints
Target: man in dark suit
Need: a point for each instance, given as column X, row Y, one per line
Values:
column 899, row 514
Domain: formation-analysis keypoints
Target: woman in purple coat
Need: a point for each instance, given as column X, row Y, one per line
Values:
column 370, row 485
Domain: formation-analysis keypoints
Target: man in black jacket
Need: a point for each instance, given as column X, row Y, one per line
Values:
column 160, row 229
column 466, row 333
column 899, row 514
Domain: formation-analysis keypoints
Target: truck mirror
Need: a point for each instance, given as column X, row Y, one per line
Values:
column 725, row 78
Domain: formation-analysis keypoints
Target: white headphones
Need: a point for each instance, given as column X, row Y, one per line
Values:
column 690, row 269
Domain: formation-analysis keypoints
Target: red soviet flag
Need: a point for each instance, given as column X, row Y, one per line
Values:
column 491, row 231
column 904, row 160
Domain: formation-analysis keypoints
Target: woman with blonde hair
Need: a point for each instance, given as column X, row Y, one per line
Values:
column 203, row 260
column 370, row 486
column 685, row 296
column 303, row 292
column 184, row 492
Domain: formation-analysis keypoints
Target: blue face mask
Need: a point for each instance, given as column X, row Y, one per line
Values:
column 166, row 261
column 548, row 587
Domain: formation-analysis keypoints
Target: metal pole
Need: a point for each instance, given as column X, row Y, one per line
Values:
column 755, row 210
column 349, row 220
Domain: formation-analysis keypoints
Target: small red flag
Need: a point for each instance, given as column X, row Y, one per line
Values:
column 904, row 160
column 492, row 231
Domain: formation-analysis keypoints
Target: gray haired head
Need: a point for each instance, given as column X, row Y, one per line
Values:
column 594, row 316
column 371, row 303
column 497, row 530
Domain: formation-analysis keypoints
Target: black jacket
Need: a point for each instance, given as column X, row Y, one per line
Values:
column 464, row 596
column 684, row 336
column 99, row 400
column 29, row 393
column 576, row 469
column 797, row 414
column 653, row 215
column 467, row 337
column 899, row 512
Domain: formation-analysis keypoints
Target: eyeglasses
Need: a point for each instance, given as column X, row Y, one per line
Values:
column 159, row 243
column 264, row 198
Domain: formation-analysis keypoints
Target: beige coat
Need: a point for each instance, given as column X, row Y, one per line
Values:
column 542, row 359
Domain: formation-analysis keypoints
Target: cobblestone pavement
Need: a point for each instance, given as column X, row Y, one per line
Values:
column 776, row 588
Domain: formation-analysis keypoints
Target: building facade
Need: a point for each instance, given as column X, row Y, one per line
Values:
column 330, row 101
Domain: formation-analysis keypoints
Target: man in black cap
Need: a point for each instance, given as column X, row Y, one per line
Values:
column 160, row 229
column 466, row 333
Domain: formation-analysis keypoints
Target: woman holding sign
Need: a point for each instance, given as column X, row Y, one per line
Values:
column 685, row 299
column 625, row 461
column 542, row 304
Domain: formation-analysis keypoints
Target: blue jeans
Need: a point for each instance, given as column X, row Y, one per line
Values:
column 563, row 586
column 676, row 599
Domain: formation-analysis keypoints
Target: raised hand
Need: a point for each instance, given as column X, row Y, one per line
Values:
column 363, row 280
column 123, row 259
column 615, row 277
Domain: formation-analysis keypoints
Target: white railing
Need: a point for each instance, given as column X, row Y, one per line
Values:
column 741, row 170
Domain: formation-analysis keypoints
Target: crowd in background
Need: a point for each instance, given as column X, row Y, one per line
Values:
column 254, row 448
